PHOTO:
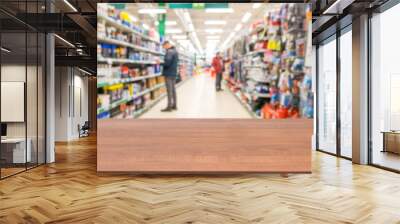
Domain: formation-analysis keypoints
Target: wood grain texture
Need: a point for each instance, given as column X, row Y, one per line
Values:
column 70, row 191
column 204, row 145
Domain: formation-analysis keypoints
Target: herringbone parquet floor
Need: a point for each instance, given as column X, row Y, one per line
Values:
column 70, row 191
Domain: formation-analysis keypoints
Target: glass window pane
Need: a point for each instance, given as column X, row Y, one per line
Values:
column 346, row 94
column 327, row 97
column 41, row 99
column 385, row 89
column 13, row 86
column 32, row 97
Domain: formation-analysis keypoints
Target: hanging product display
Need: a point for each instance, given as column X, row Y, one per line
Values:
column 269, row 72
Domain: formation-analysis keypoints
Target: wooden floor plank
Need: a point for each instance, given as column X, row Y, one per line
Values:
column 70, row 191
column 204, row 145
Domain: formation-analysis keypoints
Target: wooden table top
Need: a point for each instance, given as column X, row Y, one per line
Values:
column 204, row 145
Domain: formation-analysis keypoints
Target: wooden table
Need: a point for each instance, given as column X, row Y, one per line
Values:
column 204, row 145
column 391, row 141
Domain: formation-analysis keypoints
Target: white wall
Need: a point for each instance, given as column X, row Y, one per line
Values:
column 71, row 94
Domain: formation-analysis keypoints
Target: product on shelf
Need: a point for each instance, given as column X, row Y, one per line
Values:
column 268, row 68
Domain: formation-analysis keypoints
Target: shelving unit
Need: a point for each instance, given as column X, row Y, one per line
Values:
column 118, row 25
column 129, row 74
column 126, row 44
column 186, row 66
column 119, row 102
column 269, row 65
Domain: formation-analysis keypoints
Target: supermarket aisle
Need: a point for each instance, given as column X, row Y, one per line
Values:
column 197, row 98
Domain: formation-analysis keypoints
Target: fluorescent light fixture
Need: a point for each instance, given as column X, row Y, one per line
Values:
column 5, row 49
column 171, row 23
column 219, row 10
column 152, row 11
column 214, row 30
column 246, row 17
column 70, row 5
column 213, row 37
column 86, row 72
column 145, row 26
column 186, row 15
column 183, row 41
column 238, row 27
column 256, row 5
column 172, row 31
column 65, row 41
column 191, row 27
column 179, row 37
column 215, row 22
column 338, row 6
column 212, row 40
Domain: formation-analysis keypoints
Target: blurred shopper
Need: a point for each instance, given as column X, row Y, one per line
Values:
column 170, row 71
column 217, row 64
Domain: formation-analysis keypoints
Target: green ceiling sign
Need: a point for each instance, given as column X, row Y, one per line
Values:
column 197, row 5
column 180, row 5
column 119, row 6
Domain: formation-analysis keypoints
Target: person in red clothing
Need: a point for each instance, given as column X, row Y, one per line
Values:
column 217, row 65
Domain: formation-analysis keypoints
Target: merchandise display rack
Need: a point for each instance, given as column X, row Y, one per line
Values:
column 129, row 74
column 269, row 75
column 129, row 71
column 186, row 66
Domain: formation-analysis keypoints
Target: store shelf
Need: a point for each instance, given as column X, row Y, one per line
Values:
column 244, row 104
column 255, row 66
column 255, row 52
column 122, row 101
column 126, row 44
column 123, row 27
column 257, row 80
column 124, row 61
column 155, row 101
column 125, row 80
column 261, row 95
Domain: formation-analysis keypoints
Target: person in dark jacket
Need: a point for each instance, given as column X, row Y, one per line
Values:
column 170, row 71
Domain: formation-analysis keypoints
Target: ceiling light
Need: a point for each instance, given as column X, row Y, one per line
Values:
column 219, row 10
column 5, row 49
column 214, row 30
column 186, row 15
column 256, row 5
column 65, row 41
column 179, row 37
column 215, row 22
column 246, row 17
column 337, row 7
column 191, row 27
column 238, row 27
column 84, row 71
column 70, row 5
column 145, row 26
column 171, row 23
column 173, row 31
column 152, row 11
column 213, row 37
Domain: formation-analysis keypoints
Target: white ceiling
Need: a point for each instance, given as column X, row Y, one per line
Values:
column 199, row 17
